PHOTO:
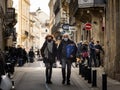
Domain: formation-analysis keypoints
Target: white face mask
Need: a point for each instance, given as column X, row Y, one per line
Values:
column 65, row 39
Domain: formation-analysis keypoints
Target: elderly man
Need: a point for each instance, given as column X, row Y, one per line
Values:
column 63, row 56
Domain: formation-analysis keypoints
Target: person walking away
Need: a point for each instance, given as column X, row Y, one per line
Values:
column 19, row 55
column 49, row 52
column 92, row 53
column 79, row 53
column 66, row 57
column 85, row 54
column 38, row 54
column 31, row 55
column 98, row 50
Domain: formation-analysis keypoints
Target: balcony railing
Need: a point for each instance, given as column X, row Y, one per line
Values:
column 10, row 17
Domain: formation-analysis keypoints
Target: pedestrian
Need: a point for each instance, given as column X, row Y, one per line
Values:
column 85, row 54
column 66, row 57
column 98, row 50
column 31, row 55
column 79, row 53
column 19, row 55
column 38, row 54
column 49, row 52
column 92, row 53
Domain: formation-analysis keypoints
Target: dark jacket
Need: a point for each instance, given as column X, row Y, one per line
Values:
column 31, row 54
column 99, row 47
column 62, row 50
column 54, row 52
column 92, row 48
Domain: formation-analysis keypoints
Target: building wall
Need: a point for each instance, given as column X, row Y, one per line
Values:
column 52, row 16
column 9, row 3
column 2, row 13
column 112, row 42
column 23, row 8
column 38, row 29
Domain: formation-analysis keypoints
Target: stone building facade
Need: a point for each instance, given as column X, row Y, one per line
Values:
column 39, row 22
column 112, row 42
column 2, row 16
column 23, row 8
column 52, row 15
column 7, row 22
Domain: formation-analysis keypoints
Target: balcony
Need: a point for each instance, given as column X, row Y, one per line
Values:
column 76, row 4
column 10, row 17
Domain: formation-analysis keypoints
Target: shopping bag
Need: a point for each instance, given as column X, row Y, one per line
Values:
column 6, row 83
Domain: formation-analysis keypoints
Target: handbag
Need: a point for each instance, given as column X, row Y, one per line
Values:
column 6, row 83
column 85, row 54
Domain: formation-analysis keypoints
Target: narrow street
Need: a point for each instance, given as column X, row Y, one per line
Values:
column 32, row 77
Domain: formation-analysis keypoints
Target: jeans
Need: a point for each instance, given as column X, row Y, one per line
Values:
column 93, row 57
column 66, row 63
column 98, row 58
column 48, row 71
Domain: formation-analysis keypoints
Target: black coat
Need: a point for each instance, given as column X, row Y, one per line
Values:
column 54, row 52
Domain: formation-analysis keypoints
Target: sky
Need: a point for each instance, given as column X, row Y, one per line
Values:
column 43, row 4
column 35, row 4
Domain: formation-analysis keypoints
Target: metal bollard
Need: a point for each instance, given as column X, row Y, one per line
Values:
column 13, row 85
column 89, row 75
column 104, row 82
column 83, row 71
column 86, row 73
column 80, row 68
column 94, row 78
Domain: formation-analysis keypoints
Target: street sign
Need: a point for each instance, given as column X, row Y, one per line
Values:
column 65, row 26
column 72, row 28
column 88, row 26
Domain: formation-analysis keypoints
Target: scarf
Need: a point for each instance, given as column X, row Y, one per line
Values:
column 49, row 48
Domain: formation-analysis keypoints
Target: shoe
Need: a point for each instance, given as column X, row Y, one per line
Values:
column 68, row 83
column 63, row 82
column 47, row 82
column 50, row 82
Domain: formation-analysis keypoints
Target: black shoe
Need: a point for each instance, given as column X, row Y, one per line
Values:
column 50, row 82
column 63, row 82
column 68, row 83
column 47, row 82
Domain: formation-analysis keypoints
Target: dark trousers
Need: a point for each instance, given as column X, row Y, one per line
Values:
column 66, row 63
column 98, row 58
column 48, row 71
column 93, row 57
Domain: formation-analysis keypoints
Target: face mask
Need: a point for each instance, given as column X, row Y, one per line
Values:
column 49, row 40
column 65, row 39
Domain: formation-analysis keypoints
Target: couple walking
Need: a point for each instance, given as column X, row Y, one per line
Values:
column 66, row 53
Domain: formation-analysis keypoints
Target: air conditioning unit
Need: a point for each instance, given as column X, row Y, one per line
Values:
column 86, row 1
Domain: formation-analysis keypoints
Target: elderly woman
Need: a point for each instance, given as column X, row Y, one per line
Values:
column 48, row 52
